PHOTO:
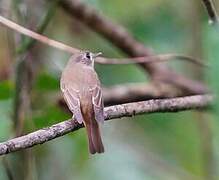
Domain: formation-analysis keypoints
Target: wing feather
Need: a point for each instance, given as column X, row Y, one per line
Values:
column 97, row 102
column 73, row 102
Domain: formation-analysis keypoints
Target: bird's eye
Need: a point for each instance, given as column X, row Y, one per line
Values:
column 88, row 55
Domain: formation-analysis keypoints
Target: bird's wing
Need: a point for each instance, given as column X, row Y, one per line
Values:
column 97, row 102
column 73, row 102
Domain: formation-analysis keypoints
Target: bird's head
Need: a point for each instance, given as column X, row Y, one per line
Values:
column 86, row 58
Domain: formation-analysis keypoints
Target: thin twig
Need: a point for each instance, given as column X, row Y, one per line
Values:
column 151, row 59
column 211, row 11
column 112, row 112
column 41, row 38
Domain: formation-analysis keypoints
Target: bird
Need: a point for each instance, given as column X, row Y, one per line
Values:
column 82, row 92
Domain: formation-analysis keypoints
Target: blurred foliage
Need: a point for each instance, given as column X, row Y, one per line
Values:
column 212, row 44
column 158, row 146
column 6, row 90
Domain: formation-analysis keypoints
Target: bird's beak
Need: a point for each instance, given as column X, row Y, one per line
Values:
column 97, row 54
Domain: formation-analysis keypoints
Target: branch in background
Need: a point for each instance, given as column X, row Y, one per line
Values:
column 6, row 59
column 25, row 73
column 117, row 35
column 211, row 11
column 132, row 92
column 201, row 119
column 26, row 70
column 23, row 83
column 112, row 112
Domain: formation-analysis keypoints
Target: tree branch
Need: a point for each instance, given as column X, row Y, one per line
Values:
column 209, row 6
column 118, row 111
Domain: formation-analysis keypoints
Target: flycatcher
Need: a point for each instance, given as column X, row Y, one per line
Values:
column 82, row 92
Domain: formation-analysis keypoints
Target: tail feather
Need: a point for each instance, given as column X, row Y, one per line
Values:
column 90, row 142
column 92, row 127
column 94, row 138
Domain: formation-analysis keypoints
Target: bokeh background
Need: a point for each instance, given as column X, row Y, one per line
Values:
column 181, row 145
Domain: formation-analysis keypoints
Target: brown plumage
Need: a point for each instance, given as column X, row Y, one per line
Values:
column 81, row 89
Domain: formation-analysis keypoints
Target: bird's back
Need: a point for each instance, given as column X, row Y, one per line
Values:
column 81, row 88
column 80, row 77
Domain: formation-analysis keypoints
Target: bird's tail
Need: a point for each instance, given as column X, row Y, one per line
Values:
column 94, row 137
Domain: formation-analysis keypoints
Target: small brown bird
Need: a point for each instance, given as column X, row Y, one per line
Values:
column 82, row 92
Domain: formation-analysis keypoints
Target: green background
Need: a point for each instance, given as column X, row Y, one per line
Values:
column 181, row 145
